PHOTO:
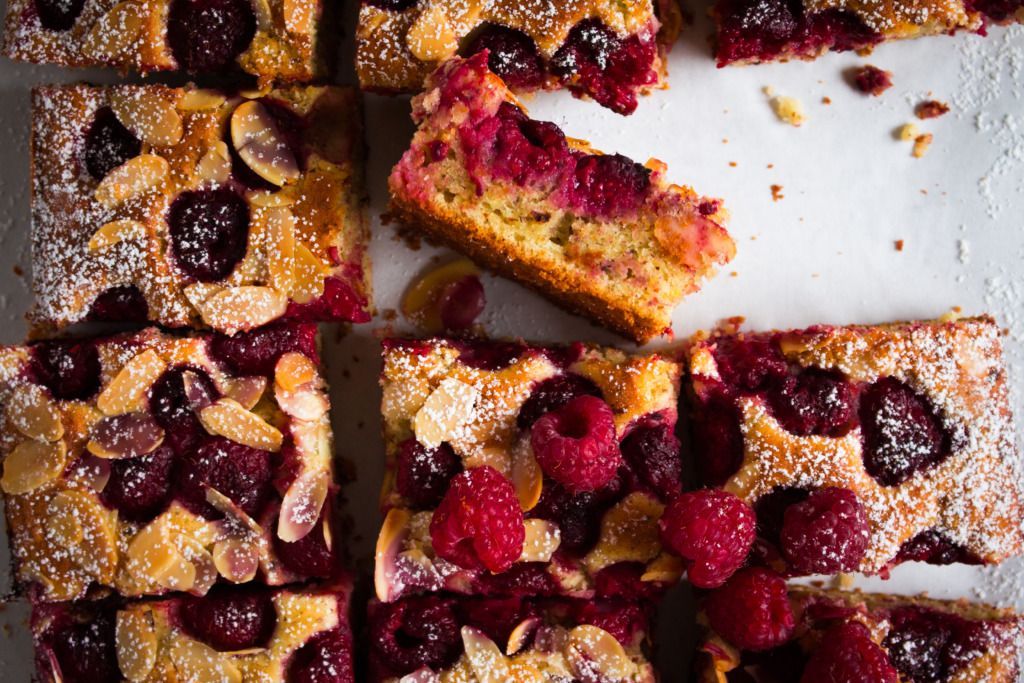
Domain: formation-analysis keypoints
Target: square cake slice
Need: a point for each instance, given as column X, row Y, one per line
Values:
column 755, row 31
column 239, row 634
column 147, row 463
column 520, row 470
column 831, row 635
column 196, row 208
column 862, row 447
column 599, row 234
column 271, row 40
column 606, row 50
column 509, row 639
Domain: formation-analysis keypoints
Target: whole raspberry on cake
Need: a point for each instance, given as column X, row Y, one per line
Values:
column 599, row 234
column 607, row 51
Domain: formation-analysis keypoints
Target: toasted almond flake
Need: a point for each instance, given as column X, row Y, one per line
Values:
column 153, row 557
column 596, row 655
column 309, row 275
column 299, row 16
column 131, row 179
column 431, row 38
column 115, row 232
column 264, row 15
column 32, row 464
column 34, row 414
column 196, row 662
column 126, row 393
column 260, row 144
column 198, row 293
column 81, row 526
column 306, row 404
column 116, row 33
column 215, row 165
column 196, row 393
column 294, row 371
column 280, row 248
column 445, row 412
column 301, row 505
column 125, row 436
column 231, row 510
column 236, row 309
column 136, row 644
column 264, row 199
column 196, row 554
column 148, row 114
column 521, row 634
column 227, row 418
column 200, row 99
column 629, row 532
column 236, row 560
column 542, row 540
column 390, row 540
column 526, row 475
column 485, row 658
column 246, row 390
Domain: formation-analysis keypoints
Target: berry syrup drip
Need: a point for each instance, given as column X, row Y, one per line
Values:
column 209, row 35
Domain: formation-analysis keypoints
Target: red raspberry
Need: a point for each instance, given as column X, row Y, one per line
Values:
column 713, row 530
column 752, row 610
column 479, row 524
column 825, row 534
column 576, row 445
column 848, row 655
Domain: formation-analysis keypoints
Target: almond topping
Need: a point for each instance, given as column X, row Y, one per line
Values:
column 298, row 16
column 152, row 556
column 431, row 38
column 116, row 32
column 32, row 464
column 596, row 655
column 264, row 16
column 125, row 436
column 126, row 393
column 135, row 639
column 237, row 561
column 301, row 505
column 231, row 510
column 542, row 540
column 131, row 179
column 215, row 165
column 260, row 144
column 195, row 661
column 115, row 232
column 390, row 541
column 266, row 200
column 147, row 114
column 199, row 557
column 80, row 525
column 281, row 248
column 33, row 413
column 521, row 635
column 489, row 665
column 629, row 532
column 295, row 371
column 227, row 418
column 200, row 100
column 309, row 275
column 526, row 475
column 196, row 393
column 446, row 411
column 306, row 404
column 246, row 390
column 198, row 293
column 236, row 309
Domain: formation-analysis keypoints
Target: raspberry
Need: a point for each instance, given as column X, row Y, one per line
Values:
column 752, row 610
column 749, row 364
column 479, row 524
column 422, row 474
column 624, row 580
column 256, row 352
column 309, row 556
column 552, row 394
column 929, row 646
column 933, row 547
column 124, row 303
column 713, row 530
column 523, row 578
column 825, row 534
column 58, row 15
column 652, row 453
column 496, row 617
column 175, row 412
column 576, row 446
column 515, row 147
column 323, row 659
column 139, row 488
column 814, row 402
column 608, row 185
column 70, row 370
column 108, row 144
column 717, row 439
column 848, row 655
column 239, row 472
column 230, row 618
column 512, row 55
column 578, row 516
column 871, row 80
column 414, row 633
column 207, row 35
column 85, row 651
column 209, row 232
column 621, row 619
column 340, row 301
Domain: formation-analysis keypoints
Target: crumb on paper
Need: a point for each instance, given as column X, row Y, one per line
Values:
column 768, row 90
column 921, row 144
column 898, row 244
column 871, row 80
column 843, row 581
column 826, row 100
column 931, row 109
column 732, row 164
column 865, row 51
column 725, row 141
column 777, row 193
column 733, row 274
column 18, row 270
column 789, row 110
column 908, row 131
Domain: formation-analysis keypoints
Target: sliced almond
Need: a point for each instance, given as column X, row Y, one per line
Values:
column 134, row 177
column 236, row 560
column 32, row 464
column 526, row 475
column 236, row 309
column 215, row 165
column 596, row 655
column 295, row 370
column 81, row 526
column 148, row 114
column 264, row 16
column 34, row 414
column 431, row 38
column 446, row 411
column 196, row 392
column 301, row 505
column 126, row 393
column 309, row 276
column 485, row 658
column 199, row 557
column 265, row 199
column 246, row 390
column 521, row 635
column 115, row 232
column 231, row 510
column 200, row 100
column 390, row 541
column 299, row 16
column 125, row 436
column 198, row 293
column 136, row 643
column 116, row 33
column 227, row 418
column 307, row 404
column 200, row 663
column 153, row 557
column 542, row 540
column 629, row 532
column 280, row 248
column 261, row 145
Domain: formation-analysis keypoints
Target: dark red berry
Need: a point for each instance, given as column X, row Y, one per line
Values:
column 479, row 523
column 208, row 35
column 752, row 610
column 490, row 355
column 753, row 28
column 814, row 402
column 771, row 509
column 847, row 654
column 108, row 144
column 120, row 304
column 422, row 474
column 230, row 618
column 902, row 432
column 624, row 581
column 58, row 15
column 624, row 620
column 608, row 185
column 933, row 547
column 325, row 658
column 309, row 556
column 175, row 412
column 713, row 530
column 576, row 445
column 653, row 454
column 578, row 516
column 69, row 369
column 495, row 616
column 414, row 633
column 339, row 302
column 391, row 5
column 140, row 488
column 515, row 147
column 716, row 438
column 461, row 303
column 749, row 364
column 521, row 579
column 256, row 352
column 929, row 646
column 209, row 232
column 871, row 80
column 511, row 54
column 239, row 472
column 552, row 394
column 997, row 11
column 85, row 652
column 825, row 534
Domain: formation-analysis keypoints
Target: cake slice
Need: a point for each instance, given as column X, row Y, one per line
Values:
column 754, row 31
column 445, row 638
column 148, row 463
column 810, row 636
column 599, row 234
column 267, row 39
column 862, row 447
column 195, row 208
column 608, row 51
column 245, row 635
column 520, row 470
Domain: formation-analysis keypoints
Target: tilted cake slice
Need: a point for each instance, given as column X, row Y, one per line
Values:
column 197, row 208
column 599, row 234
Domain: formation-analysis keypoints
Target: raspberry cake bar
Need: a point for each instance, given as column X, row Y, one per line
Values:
column 148, row 463
column 753, row 31
column 444, row 638
column 196, row 207
column 760, row 633
column 857, row 448
column 519, row 470
column 599, row 234
column 244, row 635
column 272, row 40
column 608, row 51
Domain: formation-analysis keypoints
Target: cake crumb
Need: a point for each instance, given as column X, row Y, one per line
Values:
column 732, row 164
column 921, row 144
column 898, row 244
column 908, row 131
column 931, row 109
column 777, row 193
column 843, row 581
column 18, row 270
column 871, row 80
column 789, row 110
column 826, row 100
